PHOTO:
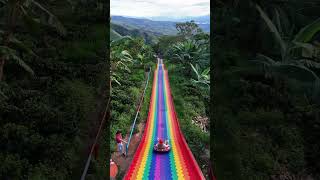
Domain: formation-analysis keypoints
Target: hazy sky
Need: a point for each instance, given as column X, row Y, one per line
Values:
column 148, row 8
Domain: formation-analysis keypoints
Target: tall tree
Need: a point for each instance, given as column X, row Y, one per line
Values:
column 188, row 29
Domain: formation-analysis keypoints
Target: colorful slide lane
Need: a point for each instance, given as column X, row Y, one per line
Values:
column 162, row 122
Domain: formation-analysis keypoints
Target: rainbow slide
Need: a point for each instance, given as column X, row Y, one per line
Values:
column 162, row 122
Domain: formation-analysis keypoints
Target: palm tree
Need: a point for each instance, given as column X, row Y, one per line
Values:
column 23, row 9
column 184, row 51
column 190, row 51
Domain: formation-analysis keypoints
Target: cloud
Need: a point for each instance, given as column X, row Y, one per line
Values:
column 148, row 8
column 203, row 4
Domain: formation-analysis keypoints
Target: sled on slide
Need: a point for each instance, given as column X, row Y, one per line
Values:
column 162, row 146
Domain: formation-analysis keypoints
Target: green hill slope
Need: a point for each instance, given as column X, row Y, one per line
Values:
column 114, row 35
column 119, row 30
column 160, row 27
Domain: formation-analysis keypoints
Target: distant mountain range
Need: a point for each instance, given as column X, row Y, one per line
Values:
column 197, row 19
column 160, row 25
column 151, row 29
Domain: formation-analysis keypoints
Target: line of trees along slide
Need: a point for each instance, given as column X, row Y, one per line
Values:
column 186, row 55
column 266, row 92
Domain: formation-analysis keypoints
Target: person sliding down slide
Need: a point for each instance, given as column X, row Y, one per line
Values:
column 162, row 147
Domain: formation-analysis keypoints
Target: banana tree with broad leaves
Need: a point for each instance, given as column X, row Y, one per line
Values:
column 120, row 59
column 32, row 14
column 291, row 64
column 202, row 77
column 141, row 57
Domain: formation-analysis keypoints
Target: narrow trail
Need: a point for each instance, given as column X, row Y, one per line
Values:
column 162, row 122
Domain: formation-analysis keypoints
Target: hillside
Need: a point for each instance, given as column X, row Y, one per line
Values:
column 114, row 35
column 118, row 30
column 162, row 27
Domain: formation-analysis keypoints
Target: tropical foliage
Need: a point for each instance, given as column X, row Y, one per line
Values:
column 187, row 57
column 44, row 118
column 202, row 77
column 290, row 63
column 22, row 10
column 266, row 90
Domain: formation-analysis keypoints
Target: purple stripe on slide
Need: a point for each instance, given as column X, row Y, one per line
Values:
column 162, row 157
column 158, row 162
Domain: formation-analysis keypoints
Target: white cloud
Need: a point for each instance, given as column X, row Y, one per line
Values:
column 148, row 8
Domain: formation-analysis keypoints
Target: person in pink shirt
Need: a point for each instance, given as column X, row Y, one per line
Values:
column 119, row 141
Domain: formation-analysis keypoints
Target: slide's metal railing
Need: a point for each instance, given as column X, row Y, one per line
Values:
column 135, row 119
